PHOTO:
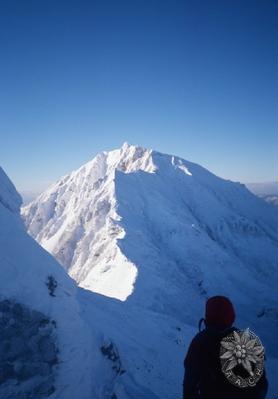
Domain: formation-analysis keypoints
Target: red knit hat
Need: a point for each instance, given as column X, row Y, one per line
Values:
column 219, row 312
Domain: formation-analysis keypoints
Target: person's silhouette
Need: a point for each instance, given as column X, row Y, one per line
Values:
column 223, row 362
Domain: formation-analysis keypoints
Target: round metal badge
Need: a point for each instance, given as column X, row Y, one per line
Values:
column 242, row 358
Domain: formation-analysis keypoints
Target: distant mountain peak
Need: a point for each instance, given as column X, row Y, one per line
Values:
column 134, row 221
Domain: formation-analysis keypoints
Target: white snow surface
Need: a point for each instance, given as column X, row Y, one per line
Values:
column 159, row 235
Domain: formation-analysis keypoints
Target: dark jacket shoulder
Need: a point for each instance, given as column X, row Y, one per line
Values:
column 203, row 375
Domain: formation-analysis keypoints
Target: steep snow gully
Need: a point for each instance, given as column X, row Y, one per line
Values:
column 147, row 237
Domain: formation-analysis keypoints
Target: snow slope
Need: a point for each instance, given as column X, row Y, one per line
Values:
column 161, row 234
column 28, row 313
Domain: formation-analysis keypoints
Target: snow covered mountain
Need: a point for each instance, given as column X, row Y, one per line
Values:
column 160, row 234
column 134, row 212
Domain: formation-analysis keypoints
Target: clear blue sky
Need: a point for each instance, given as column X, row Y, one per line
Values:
column 196, row 78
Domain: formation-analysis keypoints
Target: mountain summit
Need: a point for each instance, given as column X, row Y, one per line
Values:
column 135, row 221
column 76, row 220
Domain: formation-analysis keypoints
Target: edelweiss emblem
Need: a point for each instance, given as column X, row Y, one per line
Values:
column 242, row 358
